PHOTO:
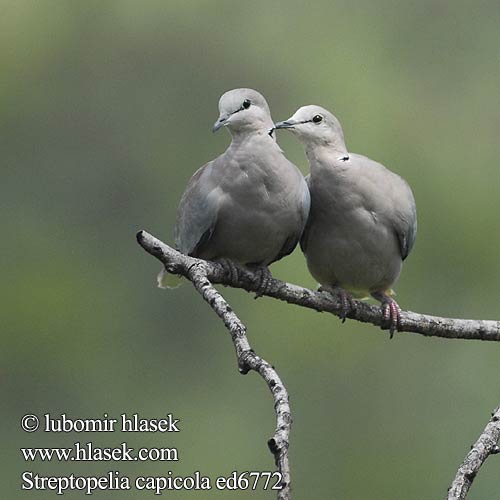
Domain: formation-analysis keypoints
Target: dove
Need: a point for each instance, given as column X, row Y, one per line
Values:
column 362, row 222
column 250, row 204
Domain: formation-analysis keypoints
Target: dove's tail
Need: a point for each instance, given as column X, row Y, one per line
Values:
column 168, row 280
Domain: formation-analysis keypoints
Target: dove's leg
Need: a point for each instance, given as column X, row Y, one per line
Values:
column 346, row 299
column 229, row 268
column 391, row 312
column 265, row 277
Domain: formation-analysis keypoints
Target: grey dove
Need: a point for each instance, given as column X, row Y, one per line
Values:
column 250, row 204
column 363, row 221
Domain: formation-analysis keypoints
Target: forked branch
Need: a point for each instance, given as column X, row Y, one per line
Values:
column 198, row 272
column 204, row 274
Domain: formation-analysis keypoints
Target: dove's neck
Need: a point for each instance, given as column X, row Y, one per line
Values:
column 324, row 154
column 239, row 138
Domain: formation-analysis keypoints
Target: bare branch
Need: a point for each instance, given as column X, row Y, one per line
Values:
column 197, row 271
column 431, row 326
column 485, row 446
column 203, row 274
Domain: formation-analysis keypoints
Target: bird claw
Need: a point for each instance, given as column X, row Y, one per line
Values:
column 264, row 276
column 230, row 269
column 347, row 303
column 391, row 313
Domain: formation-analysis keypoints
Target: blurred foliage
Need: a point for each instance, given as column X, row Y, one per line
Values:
column 105, row 112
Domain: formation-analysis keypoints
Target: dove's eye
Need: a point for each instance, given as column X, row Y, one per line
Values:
column 317, row 118
column 246, row 104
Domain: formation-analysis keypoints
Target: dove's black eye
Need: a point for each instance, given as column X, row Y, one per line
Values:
column 317, row 118
column 246, row 104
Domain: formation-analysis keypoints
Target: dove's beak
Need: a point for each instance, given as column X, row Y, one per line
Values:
column 221, row 122
column 286, row 124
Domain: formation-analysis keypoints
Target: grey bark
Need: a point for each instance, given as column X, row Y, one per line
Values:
column 203, row 274
column 197, row 271
column 411, row 322
column 485, row 446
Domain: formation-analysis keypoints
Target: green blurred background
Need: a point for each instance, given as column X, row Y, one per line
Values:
column 106, row 110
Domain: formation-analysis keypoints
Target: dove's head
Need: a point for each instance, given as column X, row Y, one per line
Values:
column 243, row 111
column 314, row 126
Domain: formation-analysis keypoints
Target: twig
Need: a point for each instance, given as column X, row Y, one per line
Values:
column 197, row 271
column 431, row 326
column 485, row 446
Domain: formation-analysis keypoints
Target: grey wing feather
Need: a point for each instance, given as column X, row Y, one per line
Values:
column 303, row 239
column 306, row 200
column 292, row 241
column 287, row 248
column 397, row 197
column 405, row 223
column 197, row 213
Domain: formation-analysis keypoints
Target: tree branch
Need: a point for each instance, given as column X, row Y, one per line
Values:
column 198, row 272
column 203, row 274
column 485, row 446
column 430, row 326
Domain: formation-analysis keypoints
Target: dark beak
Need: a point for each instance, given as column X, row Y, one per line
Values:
column 285, row 124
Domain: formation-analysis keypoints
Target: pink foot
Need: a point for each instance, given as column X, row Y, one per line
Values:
column 347, row 302
column 391, row 312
